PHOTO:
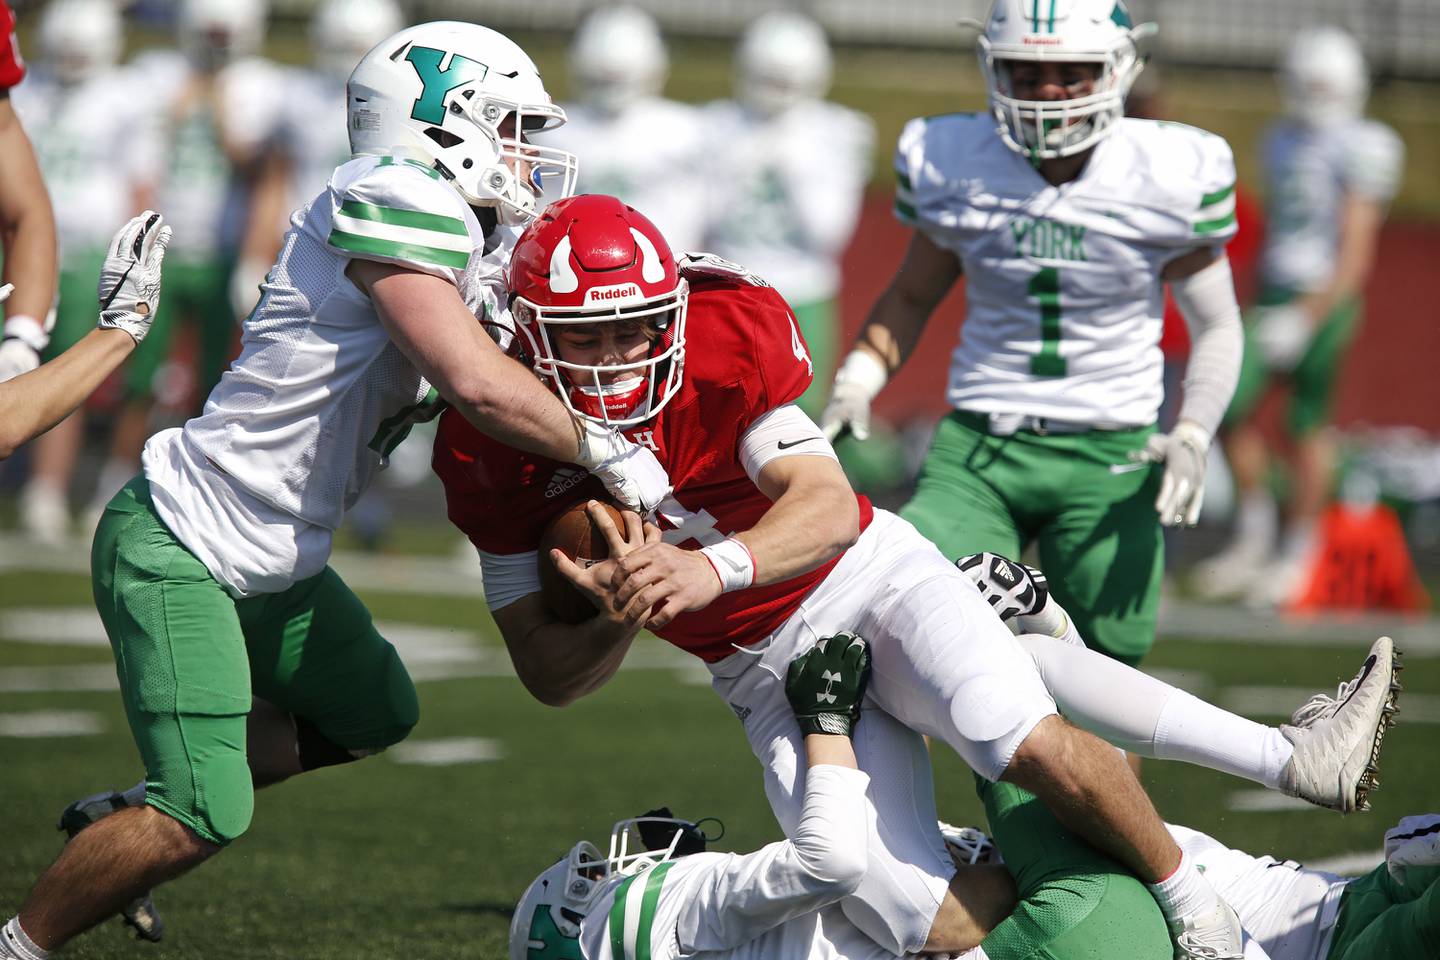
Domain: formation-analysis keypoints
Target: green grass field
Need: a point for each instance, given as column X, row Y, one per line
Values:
column 394, row 858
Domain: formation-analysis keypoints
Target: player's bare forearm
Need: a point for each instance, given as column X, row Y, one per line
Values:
column 898, row 318
column 27, row 223
column 431, row 325
column 814, row 517
column 35, row 402
column 558, row 662
column 1360, row 221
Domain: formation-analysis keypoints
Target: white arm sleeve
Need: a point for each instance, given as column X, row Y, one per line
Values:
column 1207, row 301
column 508, row 577
column 785, row 431
column 825, row 861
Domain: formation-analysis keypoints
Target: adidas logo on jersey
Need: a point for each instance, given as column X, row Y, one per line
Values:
column 562, row 480
column 622, row 292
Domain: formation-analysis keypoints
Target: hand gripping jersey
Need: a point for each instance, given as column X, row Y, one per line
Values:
column 1064, row 302
column 12, row 65
column 1290, row 910
column 1309, row 171
column 786, row 191
column 300, row 423
column 82, row 136
column 649, row 156
column 743, row 357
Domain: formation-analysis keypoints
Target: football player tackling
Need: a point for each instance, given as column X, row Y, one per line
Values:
column 1066, row 220
column 210, row 569
column 702, row 362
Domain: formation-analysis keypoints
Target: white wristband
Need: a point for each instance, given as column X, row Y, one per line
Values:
column 733, row 562
column 864, row 370
column 28, row 331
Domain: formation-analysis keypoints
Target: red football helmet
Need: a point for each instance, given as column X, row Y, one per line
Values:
column 592, row 259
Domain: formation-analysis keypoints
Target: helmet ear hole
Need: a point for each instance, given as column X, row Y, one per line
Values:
column 444, row 138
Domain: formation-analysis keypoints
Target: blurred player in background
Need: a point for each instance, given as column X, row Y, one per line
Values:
column 1067, row 221
column 634, row 143
column 27, row 226
column 1330, row 173
column 84, row 117
column 211, row 109
column 786, row 172
column 210, row 569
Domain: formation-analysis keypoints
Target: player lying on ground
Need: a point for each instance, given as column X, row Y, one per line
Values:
column 210, row 570
column 129, row 293
column 612, row 323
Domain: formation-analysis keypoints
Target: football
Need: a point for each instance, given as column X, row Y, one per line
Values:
column 577, row 536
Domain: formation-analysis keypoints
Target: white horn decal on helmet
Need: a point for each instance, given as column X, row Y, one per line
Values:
column 651, row 269
column 562, row 276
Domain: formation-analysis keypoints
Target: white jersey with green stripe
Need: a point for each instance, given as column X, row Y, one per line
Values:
column 1308, row 172
column 319, row 396
column 1064, row 301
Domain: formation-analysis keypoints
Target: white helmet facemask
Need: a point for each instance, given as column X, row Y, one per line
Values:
column 1095, row 32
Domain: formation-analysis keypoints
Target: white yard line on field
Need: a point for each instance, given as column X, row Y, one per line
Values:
column 50, row 723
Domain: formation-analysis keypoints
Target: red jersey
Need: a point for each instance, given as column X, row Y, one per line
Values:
column 743, row 357
column 12, row 66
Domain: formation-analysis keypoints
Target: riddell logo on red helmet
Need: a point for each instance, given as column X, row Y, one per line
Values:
column 621, row 292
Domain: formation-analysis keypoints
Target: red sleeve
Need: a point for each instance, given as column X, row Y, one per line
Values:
column 12, row 65
column 782, row 360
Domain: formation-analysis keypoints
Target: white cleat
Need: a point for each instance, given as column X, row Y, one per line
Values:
column 1337, row 739
column 1213, row 934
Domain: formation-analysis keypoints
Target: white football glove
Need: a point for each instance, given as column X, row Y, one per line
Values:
column 1017, row 592
column 1282, row 333
column 1414, row 842
column 702, row 266
column 129, row 288
column 1182, row 489
column 860, row 378
column 630, row 472
column 5, row 290
column 16, row 357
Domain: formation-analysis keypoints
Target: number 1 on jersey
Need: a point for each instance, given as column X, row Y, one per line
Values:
column 1045, row 288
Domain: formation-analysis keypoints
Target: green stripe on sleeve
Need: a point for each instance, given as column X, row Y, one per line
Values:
column 1215, row 226
column 647, row 909
column 617, row 919
column 905, row 211
column 903, row 178
column 1217, row 196
column 452, row 259
column 404, row 218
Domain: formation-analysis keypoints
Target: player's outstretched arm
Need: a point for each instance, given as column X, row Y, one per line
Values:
column 27, row 234
column 129, row 293
column 890, row 333
column 431, row 325
column 558, row 662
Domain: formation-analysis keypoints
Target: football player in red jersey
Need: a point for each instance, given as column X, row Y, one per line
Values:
column 703, row 368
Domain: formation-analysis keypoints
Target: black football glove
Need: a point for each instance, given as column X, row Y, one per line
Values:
column 826, row 684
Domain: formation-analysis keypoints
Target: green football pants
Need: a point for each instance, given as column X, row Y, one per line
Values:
column 190, row 657
column 1090, row 511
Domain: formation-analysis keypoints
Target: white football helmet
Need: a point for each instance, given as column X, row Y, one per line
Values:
column 1064, row 31
column 554, row 905
column 440, row 93
column 216, row 32
column 617, row 57
column 783, row 59
column 1323, row 78
column 79, row 38
column 343, row 31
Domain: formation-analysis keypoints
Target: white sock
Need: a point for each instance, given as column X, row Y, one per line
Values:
column 1194, row 731
column 1185, row 891
column 16, row 944
column 1257, row 521
column 1298, row 541
column 1147, row 716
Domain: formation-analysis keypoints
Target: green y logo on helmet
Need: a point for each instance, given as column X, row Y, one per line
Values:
column 430, row 105
column 554, row 944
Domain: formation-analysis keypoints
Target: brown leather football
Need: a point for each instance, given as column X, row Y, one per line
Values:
column 577, row 536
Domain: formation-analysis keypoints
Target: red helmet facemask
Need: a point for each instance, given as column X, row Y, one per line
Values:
column 593, row 260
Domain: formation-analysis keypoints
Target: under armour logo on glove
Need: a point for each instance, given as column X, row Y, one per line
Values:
column 825, row 696
column 826, row 684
